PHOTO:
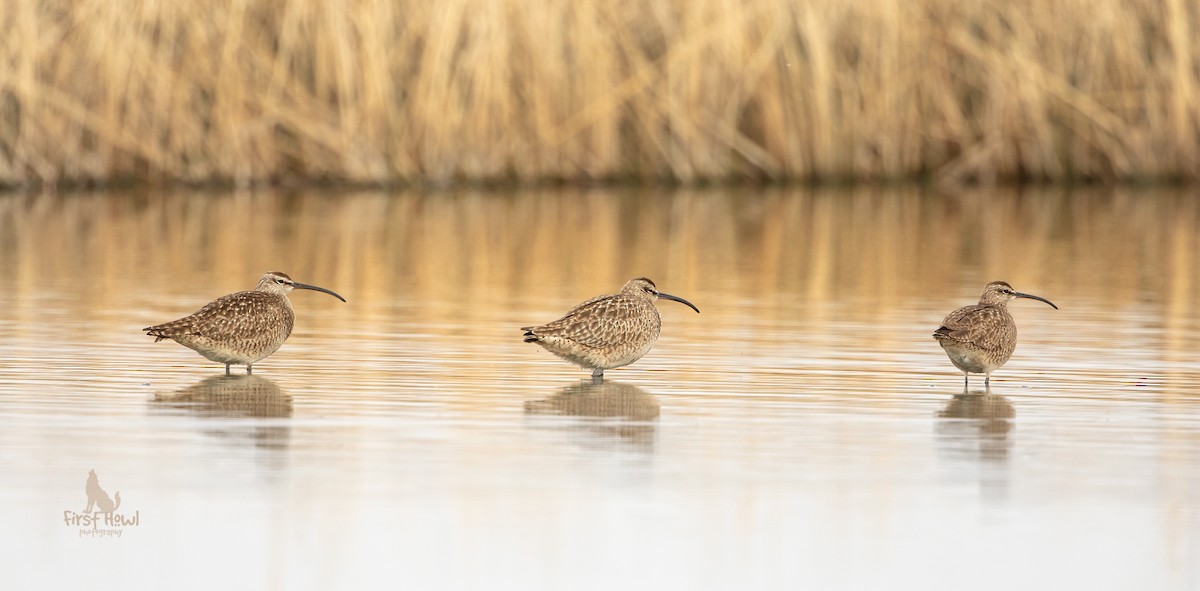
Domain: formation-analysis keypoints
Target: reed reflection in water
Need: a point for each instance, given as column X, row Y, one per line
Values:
column 804, row 421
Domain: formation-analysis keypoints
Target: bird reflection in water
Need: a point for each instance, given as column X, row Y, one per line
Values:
column 236, row 396
column 976, row 426
column 627, row 410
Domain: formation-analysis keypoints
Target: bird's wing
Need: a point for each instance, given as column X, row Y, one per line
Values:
column 602, row 321
column 977, row 325
column 221, row 317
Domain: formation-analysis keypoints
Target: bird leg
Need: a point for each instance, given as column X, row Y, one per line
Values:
column 226, row 369
column 598, row 375
column 249, row 369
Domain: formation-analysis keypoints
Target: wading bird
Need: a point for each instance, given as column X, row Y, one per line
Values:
column 240, row 328
column 981, row 338
column 607, row 331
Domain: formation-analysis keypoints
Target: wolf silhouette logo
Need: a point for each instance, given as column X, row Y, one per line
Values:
column 96, row 497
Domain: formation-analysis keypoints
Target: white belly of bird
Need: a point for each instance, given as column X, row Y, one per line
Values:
column 634, row 355
column 225, row 354
column 967, row 360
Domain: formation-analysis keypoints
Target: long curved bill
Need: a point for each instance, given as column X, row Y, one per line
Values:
column 315, row 288
column 668, row 296
column 1033, row 297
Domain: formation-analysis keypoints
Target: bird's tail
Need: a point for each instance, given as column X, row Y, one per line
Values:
column 169, row 330
column 154, row 331
column 529, row 336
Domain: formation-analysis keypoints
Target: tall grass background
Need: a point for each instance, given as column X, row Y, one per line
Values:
column 399, row 91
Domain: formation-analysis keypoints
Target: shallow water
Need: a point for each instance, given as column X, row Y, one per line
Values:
column 804, row 430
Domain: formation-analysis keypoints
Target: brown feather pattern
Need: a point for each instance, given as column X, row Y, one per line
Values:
column 606, row 331
column 981, row 338
column 240, row 328
column 984, row 337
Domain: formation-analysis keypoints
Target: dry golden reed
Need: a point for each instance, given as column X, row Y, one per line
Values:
column 252, row 91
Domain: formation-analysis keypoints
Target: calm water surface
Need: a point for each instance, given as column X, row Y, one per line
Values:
column 803, row 431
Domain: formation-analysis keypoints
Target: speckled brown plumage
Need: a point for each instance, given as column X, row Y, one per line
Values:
column 981, row 338
column 607, row 331
column 240, row 328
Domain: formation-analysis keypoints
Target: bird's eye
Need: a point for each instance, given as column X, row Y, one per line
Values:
column 280, row 281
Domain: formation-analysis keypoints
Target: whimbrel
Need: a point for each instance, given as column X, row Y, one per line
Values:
column 606, row 331
column 240, row 328
column 981, row 338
